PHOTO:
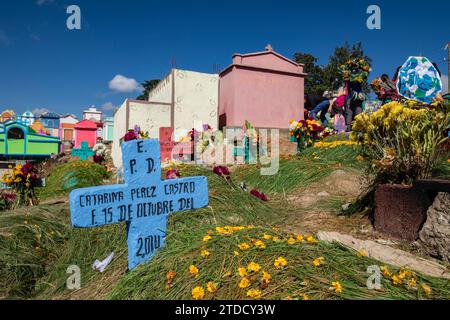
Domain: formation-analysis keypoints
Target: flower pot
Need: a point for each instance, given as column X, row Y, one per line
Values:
column 400, row 211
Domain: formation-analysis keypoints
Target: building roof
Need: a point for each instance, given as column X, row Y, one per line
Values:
column 261, row 53
column 86, row 124
column 256, row 61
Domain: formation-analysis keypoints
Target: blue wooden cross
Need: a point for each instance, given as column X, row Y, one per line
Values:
column 84, row 152
column 143, row 202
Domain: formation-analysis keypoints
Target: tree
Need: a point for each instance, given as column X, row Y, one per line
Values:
column 340, row 56
column 148, row 86
column 323, row 78
column 314, row 83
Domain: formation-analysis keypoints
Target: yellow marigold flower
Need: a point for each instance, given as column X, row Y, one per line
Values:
column 198, row 293
column 194, row 270
column 244, row 246
column 244, row 283
column 317, row 262
column 236, row 253
column 266, row 277
column 412, row 283
column 211, row 287
column 396, row 280
column 170, row 275
column 205, row 253
column 254, row 293
column 280, row 263
column 242, row 272
column 426, row 289
column 207, row 238
column 311, row 239
column 260, row 244
column 276, row 239
column 337, row 286
column 300, row 238
column 304, row 296
column 291, row 241
column 221, row 230
column 252, row 266
column 362, row 253
column 267, row 237
column 385, row 271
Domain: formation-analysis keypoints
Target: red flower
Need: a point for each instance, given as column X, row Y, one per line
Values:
column 172, row 174
column 259, row 195
column 222, row 171
column 130, row 135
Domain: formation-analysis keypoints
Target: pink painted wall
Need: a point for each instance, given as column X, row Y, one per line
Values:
column 264, row 88
column 89, row 135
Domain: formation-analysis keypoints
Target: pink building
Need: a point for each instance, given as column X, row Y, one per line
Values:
column 85, row 131
column 264, row 88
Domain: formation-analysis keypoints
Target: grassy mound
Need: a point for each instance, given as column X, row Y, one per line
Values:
column 45, row 273
column 299, row 279
column 72, row 175
column 30, row 242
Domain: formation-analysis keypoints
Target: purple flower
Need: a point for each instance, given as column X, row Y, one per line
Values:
column 259, row 195
column 172, row 174
column 222, row 171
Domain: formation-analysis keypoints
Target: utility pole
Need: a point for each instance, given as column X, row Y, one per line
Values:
column 448, row 64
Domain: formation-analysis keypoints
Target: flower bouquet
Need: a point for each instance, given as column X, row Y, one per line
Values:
column 305, row 132
column 22, row 179
column 355, row 70
column 135, row 134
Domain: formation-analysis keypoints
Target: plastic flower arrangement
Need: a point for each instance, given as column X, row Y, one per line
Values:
column 135, row 134
column 355, row 70
column 22, row 179
column 305, row 132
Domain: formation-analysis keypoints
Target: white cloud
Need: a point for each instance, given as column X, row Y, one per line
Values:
column 444, row 79
column 35, row 37
column 108, row 106
column 39, row 111
column 43, row 2
column 123, row 84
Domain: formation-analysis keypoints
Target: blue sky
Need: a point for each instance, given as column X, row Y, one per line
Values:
column 45, row 65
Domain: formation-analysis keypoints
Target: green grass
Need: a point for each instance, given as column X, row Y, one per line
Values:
column 70, row 176
column 312, row 165
column 25, row 273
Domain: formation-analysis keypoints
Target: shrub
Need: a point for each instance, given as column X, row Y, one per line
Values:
column 403, row 144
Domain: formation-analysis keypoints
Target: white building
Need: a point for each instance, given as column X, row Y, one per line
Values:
column 182, row 100
column 92, row 114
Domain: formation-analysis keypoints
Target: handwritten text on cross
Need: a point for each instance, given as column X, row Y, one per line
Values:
column 143, row 202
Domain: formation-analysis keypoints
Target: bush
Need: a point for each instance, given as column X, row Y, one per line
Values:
column 403, row 144
column 73, row 175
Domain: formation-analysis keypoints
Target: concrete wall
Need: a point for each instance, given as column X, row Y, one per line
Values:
column 120, row 128
column 196, row 101
column 163, row 91
column 148, row 115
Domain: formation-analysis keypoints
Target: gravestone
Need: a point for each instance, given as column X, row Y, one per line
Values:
column 84, row 152
column 166, row 143
column 143, row 202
